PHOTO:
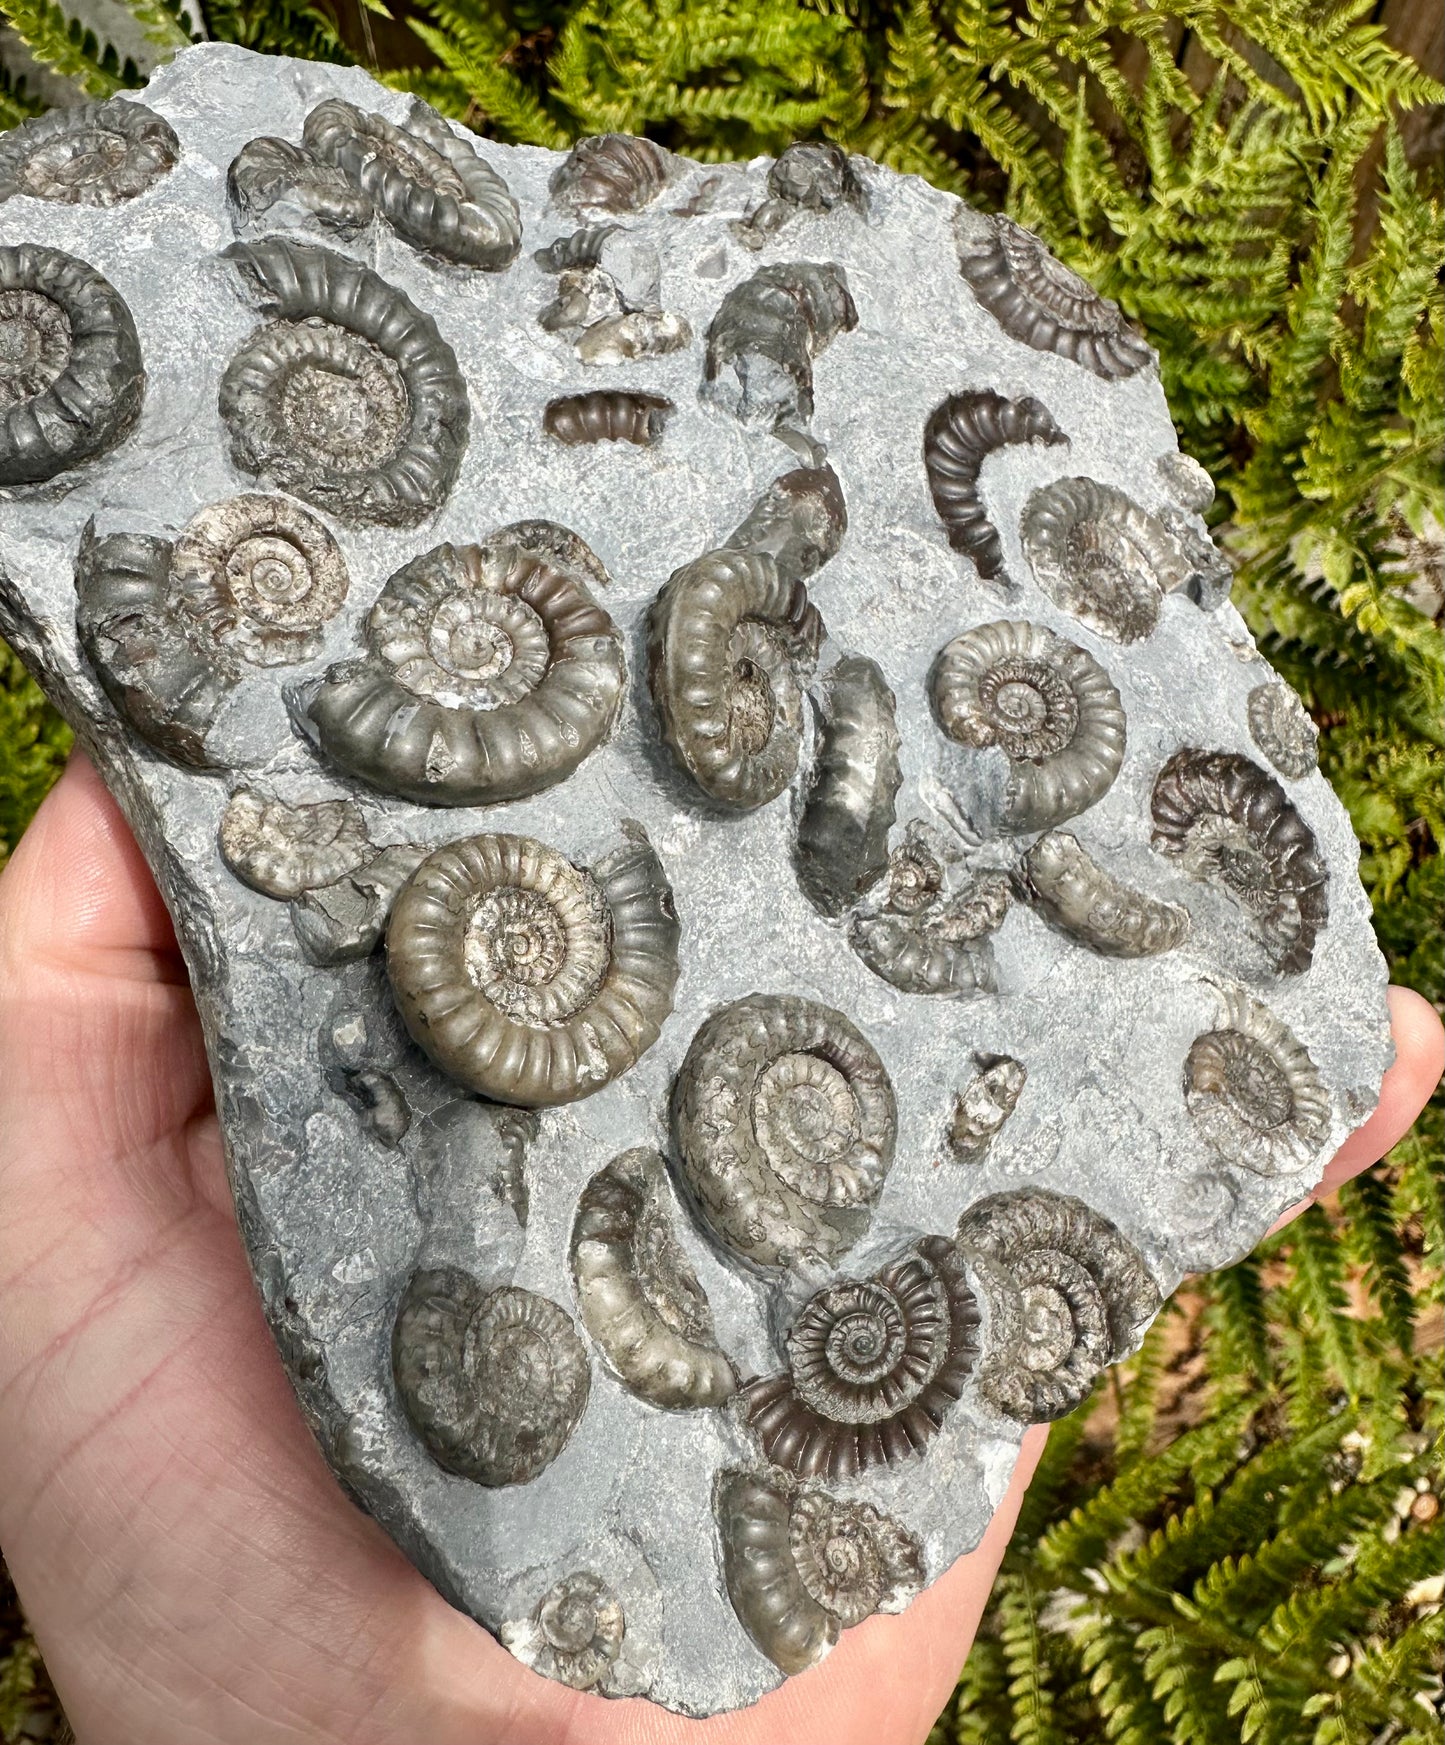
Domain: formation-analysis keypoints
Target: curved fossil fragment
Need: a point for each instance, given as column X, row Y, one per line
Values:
column 283, row 850
column 959, row 436
column 608, row 415
column 1046, row 704
column 575, row 1633
column 807, row 176
column 578, row 251
column 491, row 673
column 1186, row 480
column 638, row 1294
column 763, row 340
column 842, row 844
column 1230, row 825
column 71, row 380
column 493, row 1381
column 348, row 397
column 799, row 521
column 612, row 172
column 1061, row 881
column 636, row 334
column 923, row 940
column 985, row 1103
column 731, row 644
column 874, row 1364
column 272, row 183
column 431, row 186
column 1067, row 1296
column 345, row 921
column 785, row 1123
column 1036, row 299
column 88, row 154
column 526, row 978
column 802, row 1566
column 1254, row 1092
column 1279, row 724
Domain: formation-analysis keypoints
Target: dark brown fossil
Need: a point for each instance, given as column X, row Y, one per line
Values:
column 608, row 415
column 959, row 436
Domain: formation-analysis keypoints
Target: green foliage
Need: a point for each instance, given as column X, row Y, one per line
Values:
column 33, row 747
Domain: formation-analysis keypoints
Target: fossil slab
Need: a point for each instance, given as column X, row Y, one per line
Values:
column 754, row 905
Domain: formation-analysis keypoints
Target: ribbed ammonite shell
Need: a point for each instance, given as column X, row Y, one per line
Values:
column 611, row 172
column 91, row 154
column 1254, row 1091
column 1279, row 724
column 284, row 850
column 575, row 1633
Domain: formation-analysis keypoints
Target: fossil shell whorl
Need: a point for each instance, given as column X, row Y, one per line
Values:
column 801, row 1566
column 1046, row 704
column 1036, row 299
column 731, row 643
column 799, row 521
column 1254, row 1092
column 764, row 337
column 526, row 978
column 491, row 674
column 924, row 954
column 983, row 1106
column 1067, row 1296
column 1186, row 480
column 874, row 1364
column 815, row 176
column 90, row 154
column 493, row 1381
column 958, row 438
column 1232, row 826
column 577, row 251
column 273, row 182
column 608, row 415
column 348, row 397
column 71, row 381
column 575, row 1633
column 842, row 843
column 785, row 1123
column 431, row 187
column 613, row 172
column 1063, row 883
column 283, row 850
column 1280, row 726
column 637, row 1292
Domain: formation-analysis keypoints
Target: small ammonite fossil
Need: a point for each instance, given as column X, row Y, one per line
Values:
column 283, row 850
column 959, row 436
column 802, row 1566
column 1231, row 825
column 1186, row 480
column 799, row 522
column 1061, row 881
column 1046, row 704
column 88, row 154
column 574, row 1634
column 71, row 380
column 942, row 949
column 433, row 188
column 1254, row 1091
column 1037, row 299
column 874, row 1364
column 984, row 1105
column 785, row 1123
column 491, row 673
column 807, row 176
column 272, row 183
column 348, row 397
column 1279, row 724
column 637, row 1292
column 1066, row 1294
column 608, row 415
column 842, row 844
column 493, row 1381
column 611, row 172
column 527, row 978
column 764, row 337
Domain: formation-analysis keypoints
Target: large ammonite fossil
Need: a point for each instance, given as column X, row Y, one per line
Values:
column 1254, row 1091
column 92, row 154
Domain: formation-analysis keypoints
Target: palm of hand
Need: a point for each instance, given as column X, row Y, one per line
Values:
column 192, row 1570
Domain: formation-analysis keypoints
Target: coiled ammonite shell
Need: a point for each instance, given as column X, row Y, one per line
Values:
column 1067, row 1295
column 91, row 154
column 873, row 1366
column 957, row 439
column 574, row 1635
column 1279, row 724
column 1232, row 826
column 529, row 979
column 611, row 172
column 494, row 1381
column 283, row 850
column 983, row 1106
column 1063, row 882
column 1046, row 704
column 71, row 380
column 617, row 415
column 1254, row 1091
column 802, row 1566
column 349, row 397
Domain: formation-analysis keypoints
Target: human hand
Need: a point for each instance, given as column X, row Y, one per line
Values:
column 193, row 1573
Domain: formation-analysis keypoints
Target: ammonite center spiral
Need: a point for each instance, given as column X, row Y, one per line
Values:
column 837, row 1556
column 35, row 345
column 483, row 650
column 540, row 955
column 1029, row 709
column 807, row 1120
column 342, row 400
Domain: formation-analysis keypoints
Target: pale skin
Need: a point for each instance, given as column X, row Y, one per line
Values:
column 193, row 1573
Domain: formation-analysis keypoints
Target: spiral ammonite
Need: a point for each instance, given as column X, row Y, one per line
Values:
column 88, row 154
column 1254, row 1092
column 575, row 1633
column 283, row 850
column 1279, row 724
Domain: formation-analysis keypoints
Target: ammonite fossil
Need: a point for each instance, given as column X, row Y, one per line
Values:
column 273, row 184
column 611, row 172
column 1046, row 704
column 493, row 1381
column 785, row 1123
column 874, row 1364
column 637, row 1292
column 1186, row 480
column 814, row 176
column 1279, row 724
column 348, row 397
column 983, row 1106
column 283, row 850
column 959, row 436
column 90, row 154
column 1254, row 1092
column 942, row 949
column 71, row 381
column 615, row 415
column 1230, row 825
column 529, row 979
column 1066, row 1293
column 1036, row 299
column 491, row 673
column 802, row 1566
column 763, row 339
column 799, row 522
column 431, row 187
column 575, row 1633
column 1063, row 883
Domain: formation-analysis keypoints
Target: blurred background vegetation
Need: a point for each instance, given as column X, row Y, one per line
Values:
column 1239, row 1537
